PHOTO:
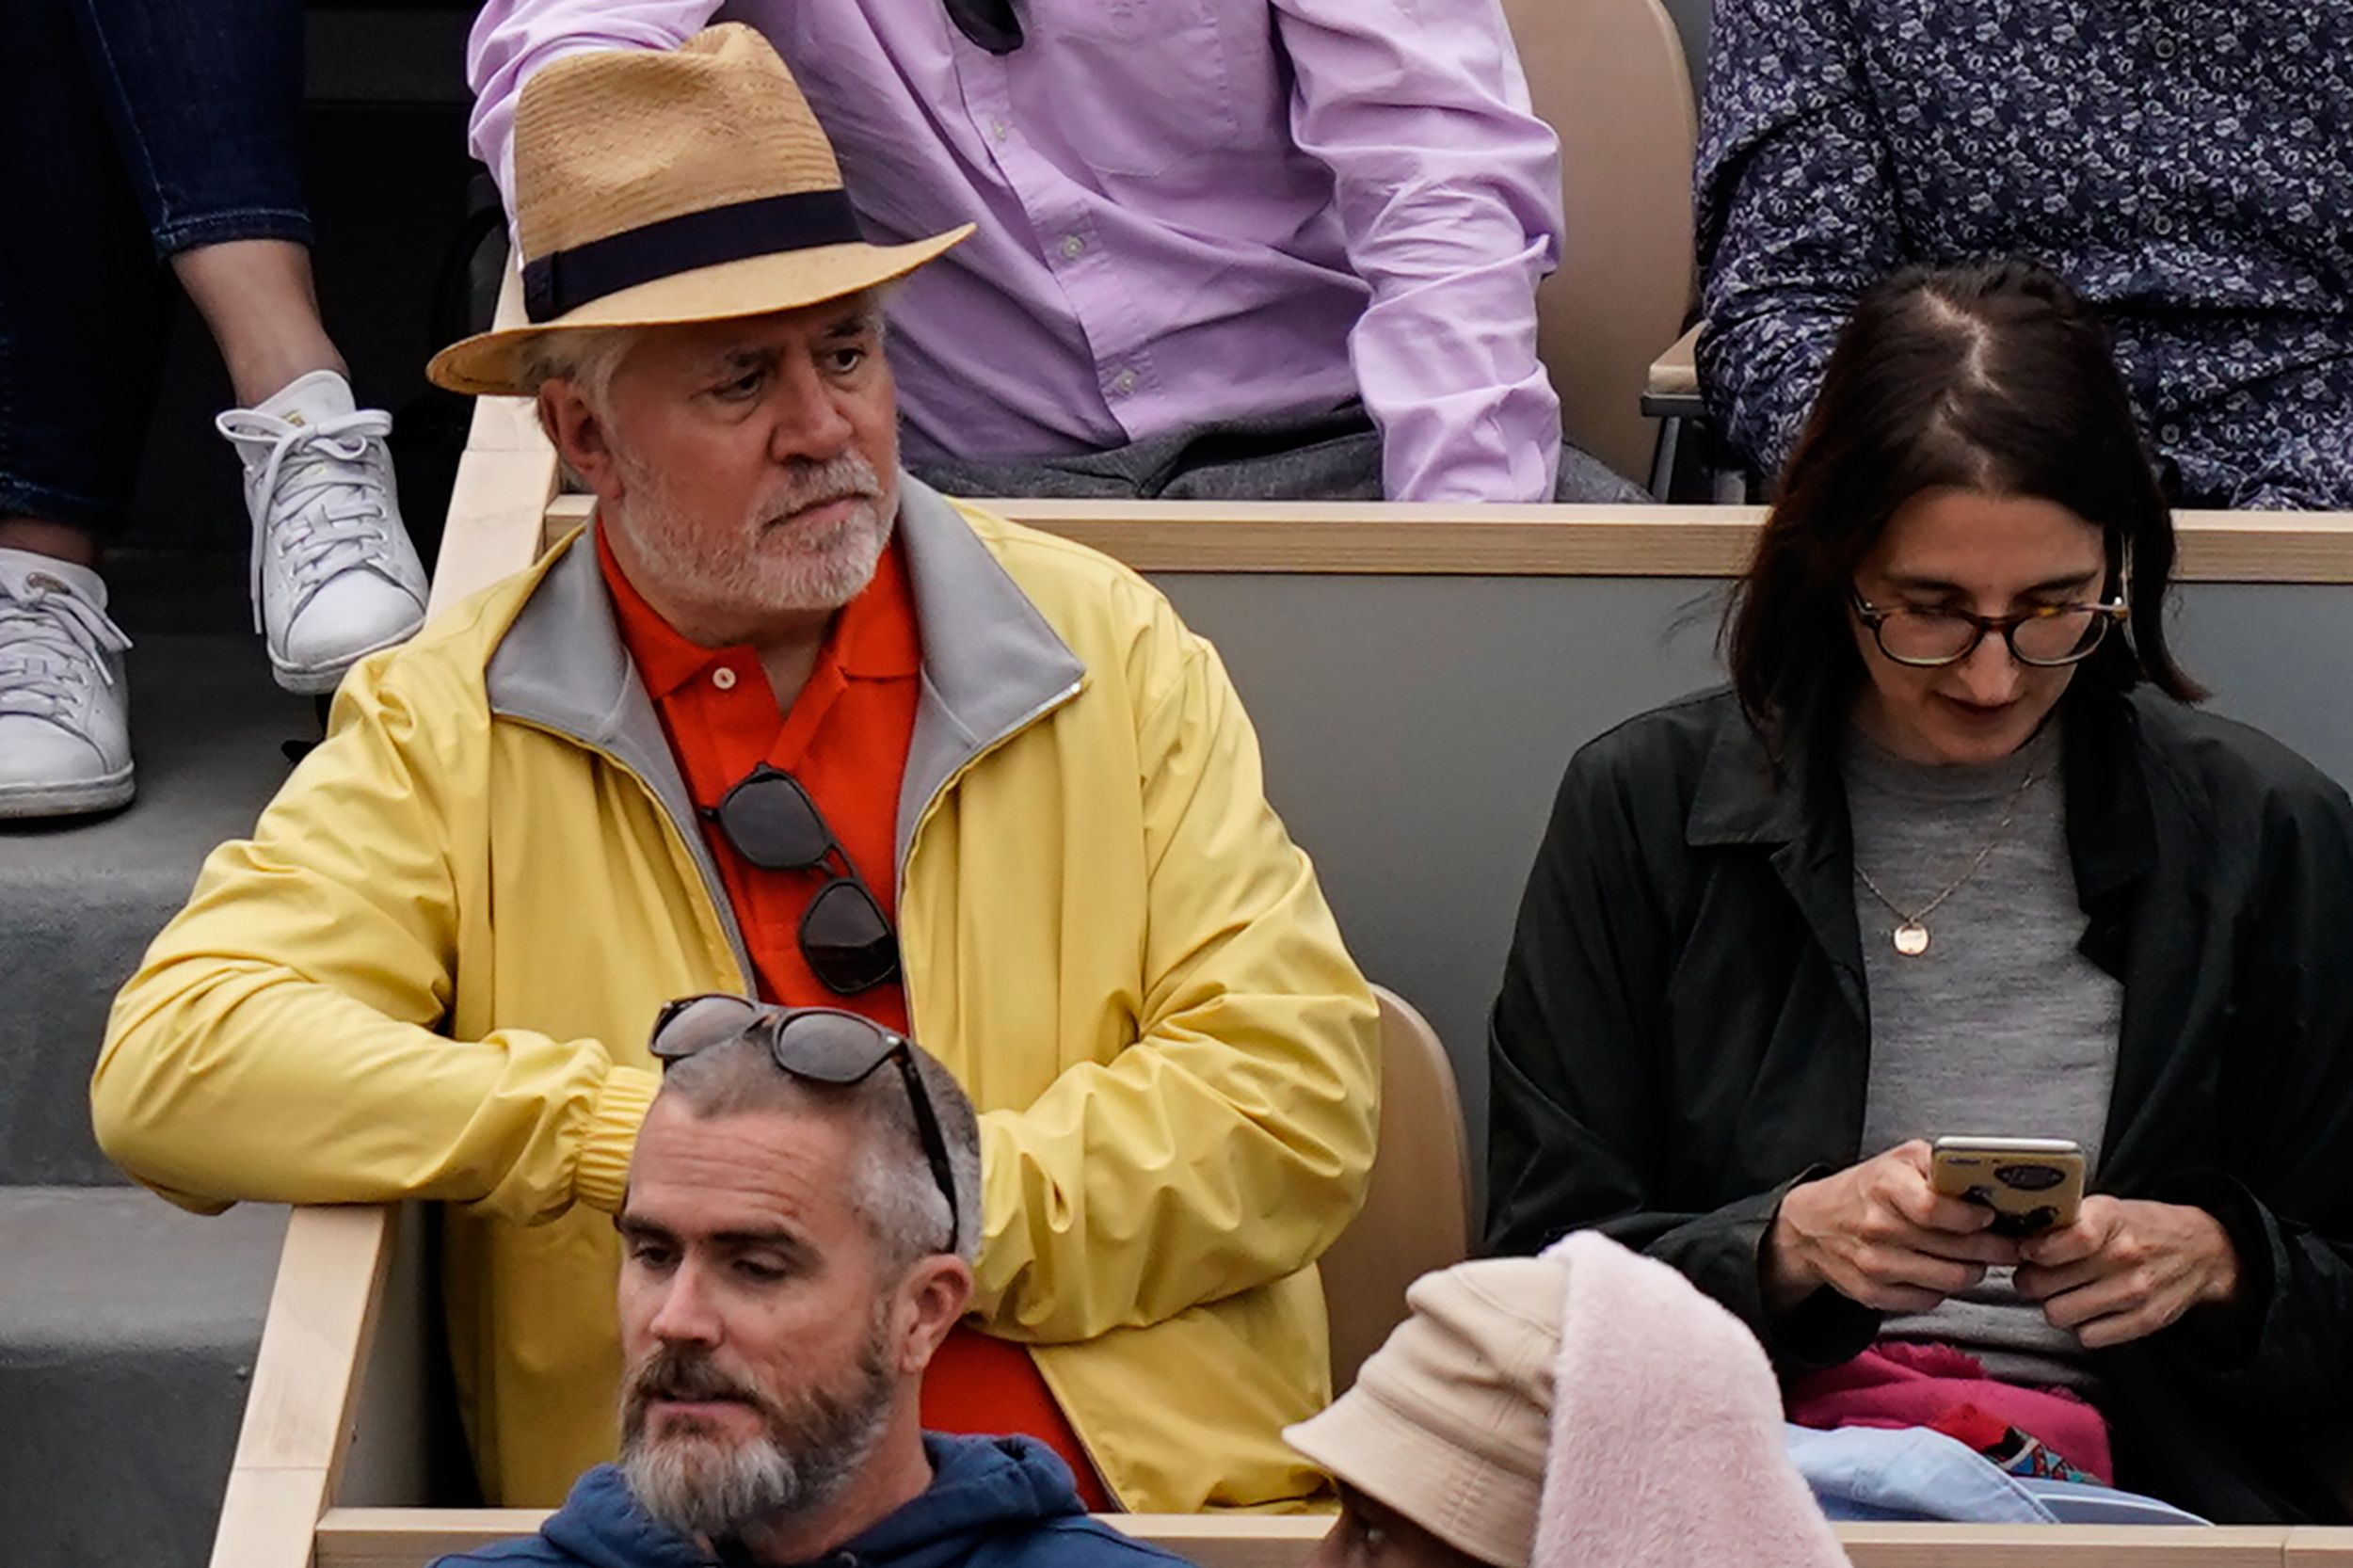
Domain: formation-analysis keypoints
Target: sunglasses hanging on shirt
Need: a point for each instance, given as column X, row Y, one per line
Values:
column 993, row 24
column 772, row 823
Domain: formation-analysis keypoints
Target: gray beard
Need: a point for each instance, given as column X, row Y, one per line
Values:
column 796, row 1468
column 749, row 572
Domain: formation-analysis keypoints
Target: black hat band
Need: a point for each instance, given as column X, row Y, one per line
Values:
column 564, row 280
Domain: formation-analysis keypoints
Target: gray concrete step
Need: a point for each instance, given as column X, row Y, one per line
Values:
column 127, row 1337
column 81, row 899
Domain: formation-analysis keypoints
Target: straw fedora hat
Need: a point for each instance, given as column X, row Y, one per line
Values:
column 686, row 185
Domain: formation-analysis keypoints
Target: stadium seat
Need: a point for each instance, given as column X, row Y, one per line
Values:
column 1417, row 1207
column 1671, row 395
column 1611, row 77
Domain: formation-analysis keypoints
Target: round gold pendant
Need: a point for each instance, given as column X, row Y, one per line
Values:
column 1912, row 939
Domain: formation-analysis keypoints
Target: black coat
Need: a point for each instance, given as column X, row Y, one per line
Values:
column 1684, row 1034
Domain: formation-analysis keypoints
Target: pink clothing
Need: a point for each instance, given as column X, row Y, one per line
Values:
column 1898, row 1385
column 1666, row 1445
column 1190, row 210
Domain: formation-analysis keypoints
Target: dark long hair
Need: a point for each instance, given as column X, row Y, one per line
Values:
column 1993, row 379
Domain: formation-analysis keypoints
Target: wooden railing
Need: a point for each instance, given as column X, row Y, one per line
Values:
column 1358, row 536
column 406, row 1538
column 302, row 1412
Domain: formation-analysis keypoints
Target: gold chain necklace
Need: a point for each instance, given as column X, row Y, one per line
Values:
column 1911, row 935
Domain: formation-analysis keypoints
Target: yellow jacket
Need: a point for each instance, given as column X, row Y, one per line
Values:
column 431, row 972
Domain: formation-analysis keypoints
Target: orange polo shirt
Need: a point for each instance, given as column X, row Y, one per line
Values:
column 845, row 739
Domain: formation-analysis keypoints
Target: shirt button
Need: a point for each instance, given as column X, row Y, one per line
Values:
column 998, row 128
column 2160, row 224
column 2167, row 48
column 1073, row 247
column 724, row 679
column 1124, row 383
column 2169, row 434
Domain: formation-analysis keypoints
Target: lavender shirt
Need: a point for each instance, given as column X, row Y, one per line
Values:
column 1189, row 210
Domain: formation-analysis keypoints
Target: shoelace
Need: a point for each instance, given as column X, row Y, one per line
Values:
column 326, row 463
column 50, row 638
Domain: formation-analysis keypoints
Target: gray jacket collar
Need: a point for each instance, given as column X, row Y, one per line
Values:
column 992, row 667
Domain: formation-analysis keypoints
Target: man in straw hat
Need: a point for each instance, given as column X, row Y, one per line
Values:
column 1227, row 248
column 782, row 721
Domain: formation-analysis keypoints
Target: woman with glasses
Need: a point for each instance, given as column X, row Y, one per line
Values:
column 1956, row 854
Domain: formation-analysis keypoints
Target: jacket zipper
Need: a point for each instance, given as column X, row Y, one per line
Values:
column 930, row 808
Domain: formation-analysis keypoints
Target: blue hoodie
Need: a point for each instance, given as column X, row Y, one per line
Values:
column 994, row 1502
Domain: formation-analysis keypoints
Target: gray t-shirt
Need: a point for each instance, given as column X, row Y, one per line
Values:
column 2001, row 1028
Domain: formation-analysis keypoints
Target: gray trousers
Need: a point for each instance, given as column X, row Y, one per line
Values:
column 1334, row 455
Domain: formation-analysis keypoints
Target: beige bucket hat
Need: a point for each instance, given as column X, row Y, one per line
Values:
column 686, row 185
column 1450, row 1420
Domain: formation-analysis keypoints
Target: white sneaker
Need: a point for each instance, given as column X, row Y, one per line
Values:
column 334, row 574
column 65, row 716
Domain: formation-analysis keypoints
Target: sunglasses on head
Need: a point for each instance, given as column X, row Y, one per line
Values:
column 772, row 823
column 817, row 1044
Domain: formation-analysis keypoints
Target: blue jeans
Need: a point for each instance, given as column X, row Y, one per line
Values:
column 130, row 131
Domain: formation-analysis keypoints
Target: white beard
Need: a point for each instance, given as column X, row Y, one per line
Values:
column 762, row 565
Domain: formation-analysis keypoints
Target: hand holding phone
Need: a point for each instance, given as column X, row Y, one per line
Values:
column 2032, row 1184
column 1877, row 1233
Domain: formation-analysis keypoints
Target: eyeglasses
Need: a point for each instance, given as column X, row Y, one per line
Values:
column 2045, row 637
column 843, row 933
column 821, row 1044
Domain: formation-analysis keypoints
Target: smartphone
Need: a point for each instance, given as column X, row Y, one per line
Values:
column 2032, row 1184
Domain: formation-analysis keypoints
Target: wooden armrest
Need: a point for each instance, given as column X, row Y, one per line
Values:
column 412, row 1537
column 2317, row 1547
column 1940, row 1545
column 1675, row 373
column 305, row 1396
column 1228, row 1540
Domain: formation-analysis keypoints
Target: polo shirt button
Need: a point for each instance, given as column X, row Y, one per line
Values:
column 724, row 679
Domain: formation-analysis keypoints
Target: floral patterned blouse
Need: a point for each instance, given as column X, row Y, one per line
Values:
column 2186, row 166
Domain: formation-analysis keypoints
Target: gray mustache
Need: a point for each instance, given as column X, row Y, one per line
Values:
column 817, row 483
column 670, row 1375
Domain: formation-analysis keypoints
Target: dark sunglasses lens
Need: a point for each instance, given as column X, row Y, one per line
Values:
column 847, row 940
column 700, row 1023
column 831, row 1048
column 772, row 823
